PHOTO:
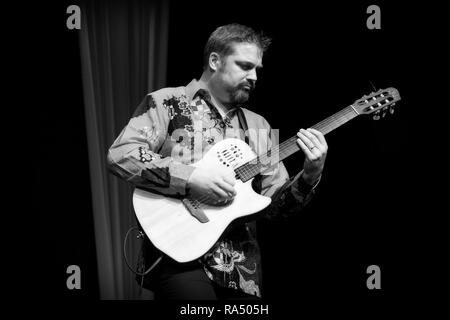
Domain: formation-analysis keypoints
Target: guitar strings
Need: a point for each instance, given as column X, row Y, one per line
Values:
column 289, row 146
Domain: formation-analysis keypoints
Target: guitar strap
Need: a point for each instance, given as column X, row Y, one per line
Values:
column 257, row 186
column 257, row 182
column 243, row 124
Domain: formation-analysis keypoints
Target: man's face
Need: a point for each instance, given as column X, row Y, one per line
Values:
column 236, row 76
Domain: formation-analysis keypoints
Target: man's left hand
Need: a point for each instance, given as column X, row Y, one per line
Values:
column 313, row 144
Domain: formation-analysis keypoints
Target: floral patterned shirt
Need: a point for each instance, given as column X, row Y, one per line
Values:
column 169, row 131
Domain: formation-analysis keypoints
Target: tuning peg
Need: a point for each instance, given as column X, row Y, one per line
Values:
column 376, row 115
column 383, row 114
column 391, row 109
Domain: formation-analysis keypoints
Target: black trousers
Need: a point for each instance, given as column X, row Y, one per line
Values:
column 171, row 280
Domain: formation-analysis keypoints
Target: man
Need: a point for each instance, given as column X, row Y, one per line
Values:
column 173, row 127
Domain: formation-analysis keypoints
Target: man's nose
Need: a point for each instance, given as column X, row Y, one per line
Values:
column 252, row 76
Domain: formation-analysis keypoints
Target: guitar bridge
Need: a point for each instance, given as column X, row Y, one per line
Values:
column 193, row 206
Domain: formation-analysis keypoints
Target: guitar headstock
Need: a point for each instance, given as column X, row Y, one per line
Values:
column 378, row 103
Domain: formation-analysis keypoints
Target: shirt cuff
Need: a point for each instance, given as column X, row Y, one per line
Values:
column 179, row 176
column 304, row 187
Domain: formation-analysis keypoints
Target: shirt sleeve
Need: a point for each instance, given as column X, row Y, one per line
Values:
column 134, row 156
column 290, row 198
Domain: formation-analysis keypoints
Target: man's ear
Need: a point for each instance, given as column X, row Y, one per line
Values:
column 214, row 61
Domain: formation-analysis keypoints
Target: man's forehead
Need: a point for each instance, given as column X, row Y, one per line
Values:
column 246, row 51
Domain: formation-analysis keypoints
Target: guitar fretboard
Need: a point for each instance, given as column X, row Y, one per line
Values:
column 278, row 153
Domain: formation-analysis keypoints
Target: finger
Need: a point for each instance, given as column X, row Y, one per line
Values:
column 226, row 187
column 318, row 149
column 313, row 153
column 230, row 179
column 305, row 149
column 219, row 193
column 309, row 144
column 319, row 136
column 312, row 138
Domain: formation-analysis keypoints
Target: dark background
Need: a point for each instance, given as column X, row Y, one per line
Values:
column 368, row 208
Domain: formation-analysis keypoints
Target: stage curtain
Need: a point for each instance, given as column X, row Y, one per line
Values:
column 123, row 47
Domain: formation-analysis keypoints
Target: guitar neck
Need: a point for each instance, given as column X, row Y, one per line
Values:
column 278, row 153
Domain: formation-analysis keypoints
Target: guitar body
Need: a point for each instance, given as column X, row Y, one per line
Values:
column 171, row 227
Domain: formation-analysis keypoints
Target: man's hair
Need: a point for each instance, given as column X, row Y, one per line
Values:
column 223, row 37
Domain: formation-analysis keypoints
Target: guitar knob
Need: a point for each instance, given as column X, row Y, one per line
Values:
column 376, row 115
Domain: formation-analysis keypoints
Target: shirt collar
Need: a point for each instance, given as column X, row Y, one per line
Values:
column 197, row 88
column 193, row 88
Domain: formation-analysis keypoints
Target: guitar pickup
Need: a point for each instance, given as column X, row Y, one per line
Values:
column 193, row 206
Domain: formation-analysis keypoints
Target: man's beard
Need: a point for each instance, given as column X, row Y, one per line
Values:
column 239, row 94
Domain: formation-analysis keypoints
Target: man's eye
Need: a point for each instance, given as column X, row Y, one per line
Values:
column 245, row 67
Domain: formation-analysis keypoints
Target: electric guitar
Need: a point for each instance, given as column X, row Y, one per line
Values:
column 187, row 228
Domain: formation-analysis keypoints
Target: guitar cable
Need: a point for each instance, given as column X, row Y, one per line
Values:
column 140, row 235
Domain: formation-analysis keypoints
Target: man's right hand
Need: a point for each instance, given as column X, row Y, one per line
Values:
column 212, row 185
